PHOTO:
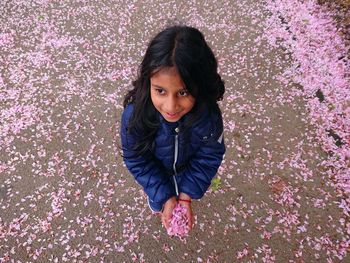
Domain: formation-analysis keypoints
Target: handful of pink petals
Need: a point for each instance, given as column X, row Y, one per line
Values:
column 179, row 222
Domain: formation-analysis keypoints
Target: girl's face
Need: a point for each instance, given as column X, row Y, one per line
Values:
column 169, row 95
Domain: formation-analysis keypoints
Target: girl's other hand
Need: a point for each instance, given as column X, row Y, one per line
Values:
column 168, row 211
column 189, row 213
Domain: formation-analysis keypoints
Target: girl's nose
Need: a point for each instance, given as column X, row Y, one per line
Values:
column 171, row 105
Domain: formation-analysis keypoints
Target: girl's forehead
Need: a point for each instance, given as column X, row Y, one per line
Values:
column 166, row 70
column 168, row 78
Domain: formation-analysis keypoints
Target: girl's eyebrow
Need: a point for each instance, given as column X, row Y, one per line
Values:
column 160, row 87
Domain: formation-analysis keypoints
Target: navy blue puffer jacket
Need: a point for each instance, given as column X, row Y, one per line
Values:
column 182, row 160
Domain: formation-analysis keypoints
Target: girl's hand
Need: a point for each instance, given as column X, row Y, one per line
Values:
column 168, row 211
column 189, row 213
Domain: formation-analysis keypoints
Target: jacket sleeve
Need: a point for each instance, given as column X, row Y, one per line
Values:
column 201, row 169
column 145, row 169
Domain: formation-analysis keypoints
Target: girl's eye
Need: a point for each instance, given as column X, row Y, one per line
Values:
column 160, row 91
column 183, row 93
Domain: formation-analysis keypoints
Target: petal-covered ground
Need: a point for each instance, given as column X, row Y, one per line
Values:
column 65, row 195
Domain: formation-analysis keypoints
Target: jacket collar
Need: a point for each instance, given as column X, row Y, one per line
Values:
column 171, row 126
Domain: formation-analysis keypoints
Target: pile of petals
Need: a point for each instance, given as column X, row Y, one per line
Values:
column 320, row 65
column 179, row 222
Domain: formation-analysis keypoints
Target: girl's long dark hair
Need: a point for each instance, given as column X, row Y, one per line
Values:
column 185, row 48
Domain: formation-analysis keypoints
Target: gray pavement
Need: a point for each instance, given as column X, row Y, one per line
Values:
column 65, row 195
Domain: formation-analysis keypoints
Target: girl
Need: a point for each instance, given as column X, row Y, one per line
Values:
column 172, row 130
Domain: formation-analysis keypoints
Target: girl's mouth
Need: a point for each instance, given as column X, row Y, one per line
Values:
column 172, row 115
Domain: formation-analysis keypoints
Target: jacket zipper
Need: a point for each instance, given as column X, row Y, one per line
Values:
column 175, row 159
